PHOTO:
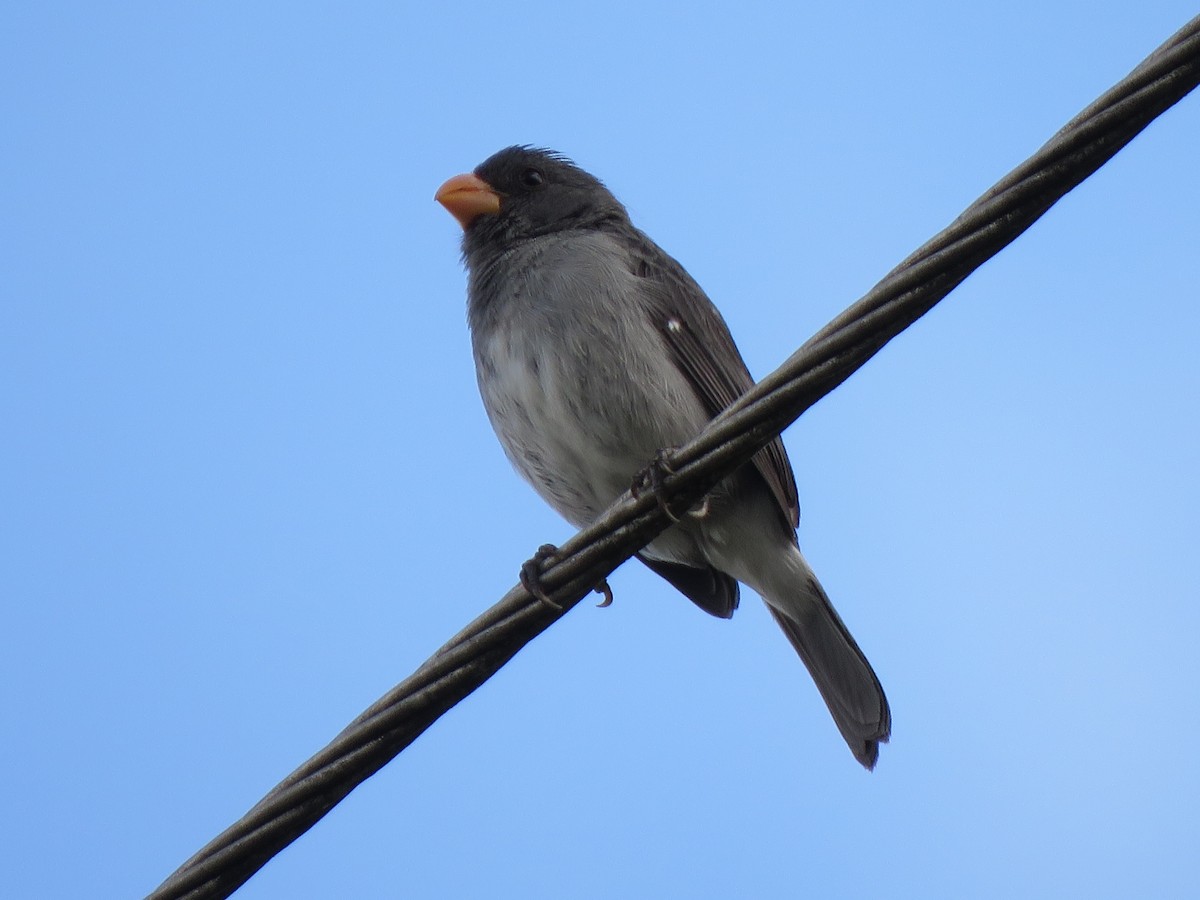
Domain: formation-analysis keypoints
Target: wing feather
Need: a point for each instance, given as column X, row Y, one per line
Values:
column 705, row 352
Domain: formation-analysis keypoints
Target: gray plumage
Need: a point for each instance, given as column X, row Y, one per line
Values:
column 594, row 350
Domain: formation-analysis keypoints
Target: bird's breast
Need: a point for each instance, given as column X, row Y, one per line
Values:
column 575, row 380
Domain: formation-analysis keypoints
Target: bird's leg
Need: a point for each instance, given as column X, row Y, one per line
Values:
column 531, row 578
column 531, row 574
column 651, row 479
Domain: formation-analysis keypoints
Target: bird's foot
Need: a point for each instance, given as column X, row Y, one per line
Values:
column 651, row 478
column 531, row 578
column 531, row 574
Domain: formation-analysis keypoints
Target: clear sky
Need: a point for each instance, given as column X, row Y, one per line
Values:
column 246, row 482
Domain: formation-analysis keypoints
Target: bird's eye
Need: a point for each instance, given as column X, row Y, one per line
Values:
column 531, row 178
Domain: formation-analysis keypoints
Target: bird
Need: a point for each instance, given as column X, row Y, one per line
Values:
column 596, row 352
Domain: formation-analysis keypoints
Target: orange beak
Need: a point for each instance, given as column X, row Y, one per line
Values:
column 467, row 197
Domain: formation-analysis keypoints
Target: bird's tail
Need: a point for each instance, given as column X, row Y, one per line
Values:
column 845, row 679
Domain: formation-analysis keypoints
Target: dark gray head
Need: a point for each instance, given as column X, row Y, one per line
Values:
column 523, row 192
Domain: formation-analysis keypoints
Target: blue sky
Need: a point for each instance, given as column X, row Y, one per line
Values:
column 247, row 483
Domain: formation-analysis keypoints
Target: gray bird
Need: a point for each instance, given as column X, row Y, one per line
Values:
column 594, row 352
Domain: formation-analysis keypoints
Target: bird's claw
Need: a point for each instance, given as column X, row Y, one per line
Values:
column 603, row 588
column 651, row 479
column 531, row 574
column 531, row 578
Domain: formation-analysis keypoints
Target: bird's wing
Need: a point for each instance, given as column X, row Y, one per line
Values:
column 705, row 352
column 714, row 592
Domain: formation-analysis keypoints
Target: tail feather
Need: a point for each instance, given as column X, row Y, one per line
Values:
column 842, row 674
column 748, row 544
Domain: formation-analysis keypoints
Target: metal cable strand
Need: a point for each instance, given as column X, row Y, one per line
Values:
column 825, row 361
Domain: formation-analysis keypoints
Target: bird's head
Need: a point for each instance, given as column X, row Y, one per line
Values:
column 523, row 192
